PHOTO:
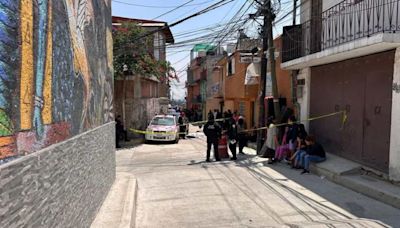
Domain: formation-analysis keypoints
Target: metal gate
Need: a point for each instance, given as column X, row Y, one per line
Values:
column 362, row 87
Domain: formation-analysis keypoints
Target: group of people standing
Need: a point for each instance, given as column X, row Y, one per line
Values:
column 295, row 146
column 288, row 142
column 228, row 123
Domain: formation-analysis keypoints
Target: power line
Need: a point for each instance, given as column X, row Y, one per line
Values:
column 176, row 8
column 159, row 7
column 209, row 8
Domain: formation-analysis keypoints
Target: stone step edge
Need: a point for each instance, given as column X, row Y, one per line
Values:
column 346, row 181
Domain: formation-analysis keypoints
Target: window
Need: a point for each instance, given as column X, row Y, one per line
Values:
column 231, row 66
column 163, row 121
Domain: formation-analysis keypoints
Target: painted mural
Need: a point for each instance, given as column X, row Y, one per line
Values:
column 55, row 72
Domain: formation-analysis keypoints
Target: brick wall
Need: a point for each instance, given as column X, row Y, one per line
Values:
column 60, row 186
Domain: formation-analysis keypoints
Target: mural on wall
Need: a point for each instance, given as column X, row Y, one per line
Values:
column 55, row 71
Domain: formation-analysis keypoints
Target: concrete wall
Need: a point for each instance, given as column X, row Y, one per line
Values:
column 304, row 101
column 60, row 186
column 394, row 159
column 139, row 111
column 326, row 4
column 305, row 11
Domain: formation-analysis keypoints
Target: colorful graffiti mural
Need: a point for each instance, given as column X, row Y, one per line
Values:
column 55, row 71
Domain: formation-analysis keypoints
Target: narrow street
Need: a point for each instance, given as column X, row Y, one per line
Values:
column 176, row 188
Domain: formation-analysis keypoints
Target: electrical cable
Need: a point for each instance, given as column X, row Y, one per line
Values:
column 172, row 10
column 159, row 7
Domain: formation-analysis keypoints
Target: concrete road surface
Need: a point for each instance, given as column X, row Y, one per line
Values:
column 176, row 188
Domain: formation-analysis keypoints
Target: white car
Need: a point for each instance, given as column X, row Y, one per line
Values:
column 163, row 128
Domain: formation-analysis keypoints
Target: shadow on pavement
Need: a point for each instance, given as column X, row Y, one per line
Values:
column 354, row 203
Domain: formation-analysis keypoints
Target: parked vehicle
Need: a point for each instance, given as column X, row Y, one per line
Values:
column 163, row 128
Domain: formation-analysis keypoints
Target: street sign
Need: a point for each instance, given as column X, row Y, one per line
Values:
column 249, row 58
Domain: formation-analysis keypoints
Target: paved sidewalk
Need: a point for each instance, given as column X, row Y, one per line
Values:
column 350, row 175
column 119, row 207
column 176, row 188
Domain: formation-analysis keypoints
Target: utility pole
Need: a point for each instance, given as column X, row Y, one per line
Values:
column 268, row 45
column 261, row 118
column 275, row 93
column 294, row 73
column 294, row 11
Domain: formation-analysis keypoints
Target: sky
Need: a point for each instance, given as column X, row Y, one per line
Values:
column 180, row 56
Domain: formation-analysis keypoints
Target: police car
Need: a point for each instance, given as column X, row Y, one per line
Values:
column 163, row 128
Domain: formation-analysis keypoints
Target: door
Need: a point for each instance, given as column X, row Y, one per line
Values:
column 377, row 110
column 362, row 87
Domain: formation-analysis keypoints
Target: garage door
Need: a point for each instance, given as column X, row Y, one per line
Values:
column 362, row 86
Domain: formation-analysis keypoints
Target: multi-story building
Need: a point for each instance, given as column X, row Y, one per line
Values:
column 143, row 93
column 238, row 96
column 346, row 55
column 202, row 62
column 215, row 86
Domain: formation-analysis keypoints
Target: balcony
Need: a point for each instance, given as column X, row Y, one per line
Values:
column 349, row 29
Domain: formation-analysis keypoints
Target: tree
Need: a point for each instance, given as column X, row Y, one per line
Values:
column 134, row 55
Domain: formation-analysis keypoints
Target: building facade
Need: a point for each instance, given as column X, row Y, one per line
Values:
column 346, row 55
column 200, row 77
column 143, row 94
column 238, row 96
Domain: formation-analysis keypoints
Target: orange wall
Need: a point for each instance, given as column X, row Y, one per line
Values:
column 189, row 97
column 236, row 92
column 196, row 90
column 283, row 76
column 213, row 103
column 234, row 84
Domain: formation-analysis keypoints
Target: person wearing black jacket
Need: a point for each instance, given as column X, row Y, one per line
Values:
column 242, row 138
column 232, row 137
column 292, row 135
column 120, row 131
column 314, row 153
column 213, row 132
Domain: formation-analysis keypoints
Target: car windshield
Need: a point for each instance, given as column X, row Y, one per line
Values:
column 163, row 121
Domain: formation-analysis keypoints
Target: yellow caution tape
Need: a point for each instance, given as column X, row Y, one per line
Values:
column 205, row 121
column 344, row 120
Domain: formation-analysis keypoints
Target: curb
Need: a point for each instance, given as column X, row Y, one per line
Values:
column 352, row 179
column 358, row 186
column 128, row 217
column 119, row 208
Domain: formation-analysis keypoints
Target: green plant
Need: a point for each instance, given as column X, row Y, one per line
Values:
column 134, row 49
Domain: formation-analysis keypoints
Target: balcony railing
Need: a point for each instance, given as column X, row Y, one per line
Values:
column 347, row 21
